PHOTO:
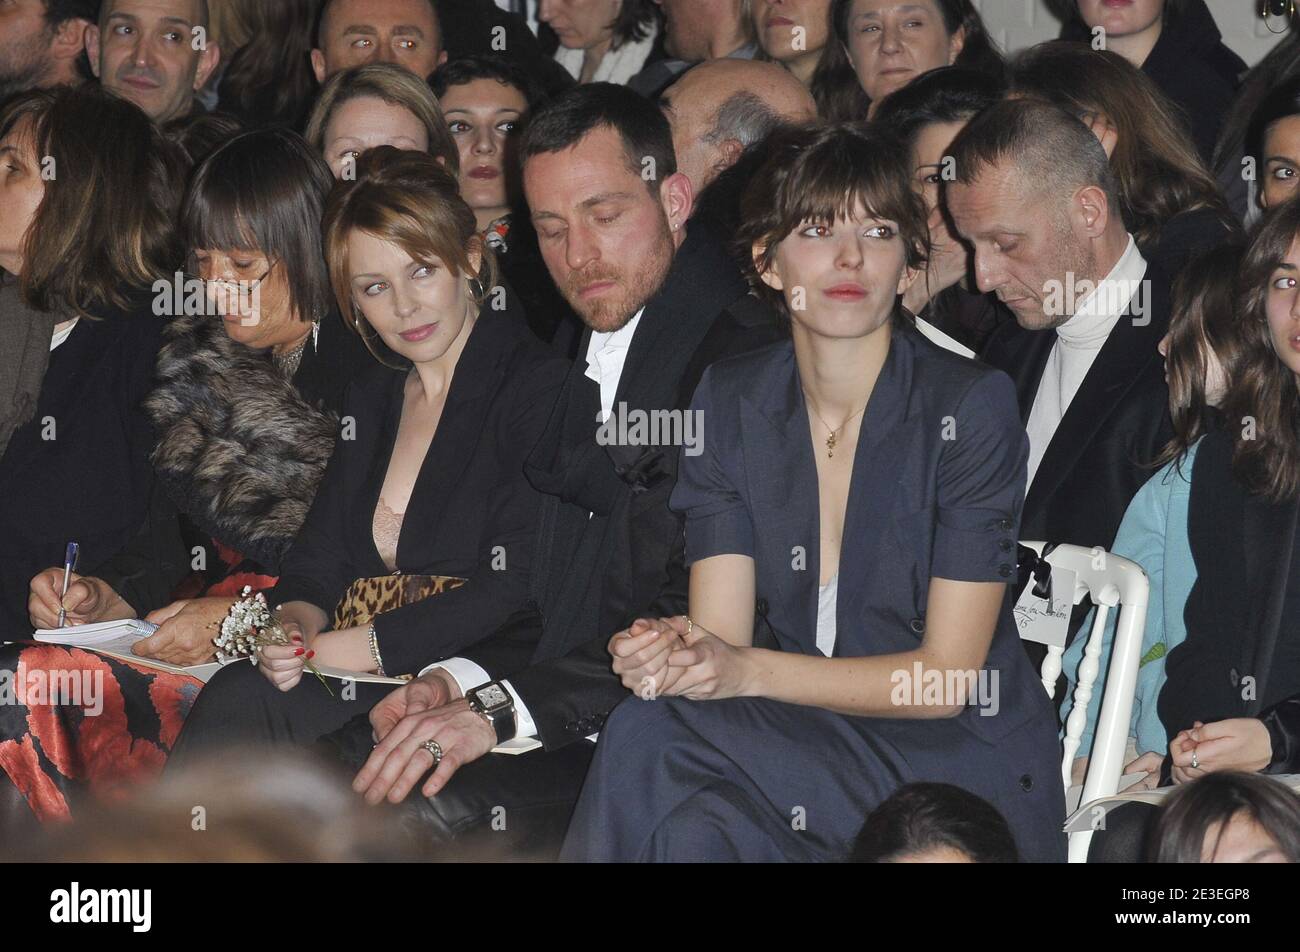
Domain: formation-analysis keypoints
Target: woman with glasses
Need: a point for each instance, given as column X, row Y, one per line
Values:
column 251, row 377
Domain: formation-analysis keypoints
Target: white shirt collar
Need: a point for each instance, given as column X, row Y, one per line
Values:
column 606, row 353
column 1101, row 307
column 61, row 335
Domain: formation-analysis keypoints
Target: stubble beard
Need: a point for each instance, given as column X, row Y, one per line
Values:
column 1080, row 261
column 611, row 313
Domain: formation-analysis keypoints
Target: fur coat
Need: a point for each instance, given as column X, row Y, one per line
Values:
column 240, row 450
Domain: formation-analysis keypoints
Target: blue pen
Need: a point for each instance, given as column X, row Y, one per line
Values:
column 69, row 562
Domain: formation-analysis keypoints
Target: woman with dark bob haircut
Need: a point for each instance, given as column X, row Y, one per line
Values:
column 1228, row 817
column 250, row 380
column 857, row 505
column 486, row 101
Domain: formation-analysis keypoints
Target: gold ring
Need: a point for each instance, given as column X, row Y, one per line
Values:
column 690, row 625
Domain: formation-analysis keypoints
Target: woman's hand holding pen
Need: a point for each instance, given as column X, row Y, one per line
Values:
column 89, row 600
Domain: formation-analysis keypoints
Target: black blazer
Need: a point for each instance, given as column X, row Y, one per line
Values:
column 1243, row 547
column 471, row 514
column 597, row 574
column 79, row 470
column 1115, row 426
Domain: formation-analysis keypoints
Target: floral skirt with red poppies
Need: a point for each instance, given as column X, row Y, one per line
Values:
column 78, row 726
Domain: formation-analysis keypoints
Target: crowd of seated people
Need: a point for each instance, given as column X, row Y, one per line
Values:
column 628, row 412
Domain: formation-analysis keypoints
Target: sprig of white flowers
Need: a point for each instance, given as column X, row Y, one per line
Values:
column 250, row 624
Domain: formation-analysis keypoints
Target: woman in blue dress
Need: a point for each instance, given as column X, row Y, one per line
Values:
column 854, row 505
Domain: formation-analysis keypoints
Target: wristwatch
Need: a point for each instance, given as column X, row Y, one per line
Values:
column 493, row 702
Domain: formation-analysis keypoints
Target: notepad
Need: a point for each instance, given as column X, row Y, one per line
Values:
column 109, row 636
column 114, row 639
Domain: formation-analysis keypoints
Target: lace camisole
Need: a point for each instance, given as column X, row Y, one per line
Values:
column 387, row 528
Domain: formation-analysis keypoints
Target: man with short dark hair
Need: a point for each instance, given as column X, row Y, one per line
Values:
column 1035, row 197
column 660, row 302
column 156, row 53
column 406, row 33
column 42, row 42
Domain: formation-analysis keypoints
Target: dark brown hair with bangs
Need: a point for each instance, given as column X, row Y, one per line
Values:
column 412, row 200
column 106, row 224
column 265, row 191
column 1206, row 322
column 819, row 174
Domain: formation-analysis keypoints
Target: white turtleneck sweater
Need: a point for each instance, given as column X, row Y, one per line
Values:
column 1078, row 341
column 617, row 65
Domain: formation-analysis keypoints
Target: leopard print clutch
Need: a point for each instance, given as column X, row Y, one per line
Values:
column 368, row 597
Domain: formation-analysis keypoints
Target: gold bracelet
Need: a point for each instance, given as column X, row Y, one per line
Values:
column 374, row 652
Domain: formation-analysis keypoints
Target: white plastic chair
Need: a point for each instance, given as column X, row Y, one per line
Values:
column 1109, row 581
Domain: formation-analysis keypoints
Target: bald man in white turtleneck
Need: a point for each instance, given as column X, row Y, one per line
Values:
column 1035, row 197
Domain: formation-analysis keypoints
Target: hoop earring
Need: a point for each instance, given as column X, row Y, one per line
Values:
column 476, row 288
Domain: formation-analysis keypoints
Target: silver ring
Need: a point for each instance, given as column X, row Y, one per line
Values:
column 1196, row 764
column 433, row 747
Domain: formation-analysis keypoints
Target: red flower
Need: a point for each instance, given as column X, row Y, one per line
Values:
column 19, row 760
column 102, row 753
column 172, row 695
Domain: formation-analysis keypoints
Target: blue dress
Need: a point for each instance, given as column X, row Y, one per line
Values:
column 936, row 491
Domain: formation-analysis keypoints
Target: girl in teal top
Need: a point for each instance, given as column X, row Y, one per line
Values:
column 1202, row 351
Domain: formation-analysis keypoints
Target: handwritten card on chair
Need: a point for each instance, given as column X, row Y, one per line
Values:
column 1046, row 620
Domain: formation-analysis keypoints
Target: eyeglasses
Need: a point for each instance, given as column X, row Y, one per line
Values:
column 232, row 287
column 1283, row 10
column 228, row 298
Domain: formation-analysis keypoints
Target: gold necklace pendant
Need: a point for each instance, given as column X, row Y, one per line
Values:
column 830, row 446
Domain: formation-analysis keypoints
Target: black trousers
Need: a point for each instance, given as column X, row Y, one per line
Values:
column 501, row 806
